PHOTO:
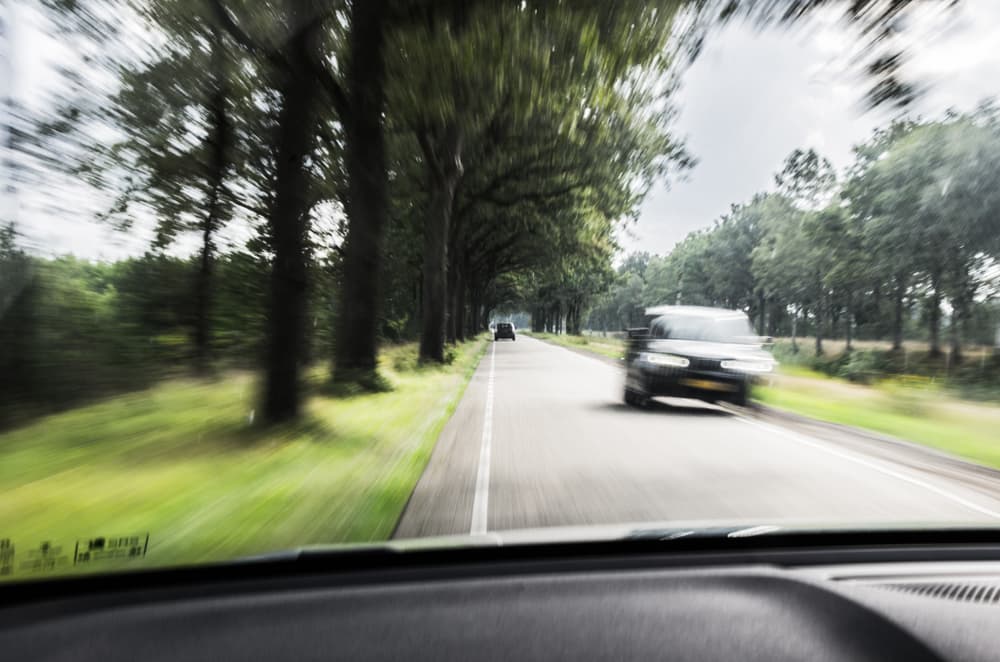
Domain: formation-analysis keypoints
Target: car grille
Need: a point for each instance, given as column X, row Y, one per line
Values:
column 704, row 364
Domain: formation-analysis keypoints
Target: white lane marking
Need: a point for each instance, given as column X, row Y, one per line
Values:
column 480, row 503
column 851, row 457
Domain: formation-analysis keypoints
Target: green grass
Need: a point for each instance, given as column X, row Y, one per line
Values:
column 610, row 347
column 924, row 415
column 182, row 462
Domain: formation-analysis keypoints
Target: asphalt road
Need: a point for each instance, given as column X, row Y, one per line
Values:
column 541, row 438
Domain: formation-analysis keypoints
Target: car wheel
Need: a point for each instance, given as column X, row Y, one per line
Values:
column 495, row 337
column 513, row 338
column 740, row 399
column 634, row 399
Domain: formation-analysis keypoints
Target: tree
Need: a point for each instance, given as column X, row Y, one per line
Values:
column 783, row 260
column 570, row 69
column 174, row 167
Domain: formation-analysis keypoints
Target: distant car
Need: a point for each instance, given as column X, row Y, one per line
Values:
column 708, row 354
column 504, row 330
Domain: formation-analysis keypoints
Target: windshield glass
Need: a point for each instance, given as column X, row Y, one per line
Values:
column 734, row 328
column 284, row 272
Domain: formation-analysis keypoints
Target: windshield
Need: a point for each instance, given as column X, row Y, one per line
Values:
column 729, row 329
column 285, row 273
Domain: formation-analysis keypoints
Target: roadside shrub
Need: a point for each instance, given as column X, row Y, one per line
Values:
column 861, row 366
column 405, row 359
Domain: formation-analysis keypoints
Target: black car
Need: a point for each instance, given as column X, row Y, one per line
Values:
column 709, row 354
column 504, row 330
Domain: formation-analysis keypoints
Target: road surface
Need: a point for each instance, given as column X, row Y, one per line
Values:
column 541, row 438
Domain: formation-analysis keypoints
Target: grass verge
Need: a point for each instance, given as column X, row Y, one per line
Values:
column 182, row 462
column 925, row 415
column 610, row 347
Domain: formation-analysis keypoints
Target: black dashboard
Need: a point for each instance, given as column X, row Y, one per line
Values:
column 773, row 603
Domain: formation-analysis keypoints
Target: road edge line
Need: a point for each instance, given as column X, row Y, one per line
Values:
column 480, row 503
column 800, row 438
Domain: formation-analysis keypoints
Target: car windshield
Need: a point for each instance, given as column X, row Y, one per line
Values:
column 723, row 329
column 285, row 273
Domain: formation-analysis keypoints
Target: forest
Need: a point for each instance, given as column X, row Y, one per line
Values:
column 318, row 179
column 902, row 245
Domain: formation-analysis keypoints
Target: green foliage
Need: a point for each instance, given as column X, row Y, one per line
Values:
column 183, row 449
column 862, row 366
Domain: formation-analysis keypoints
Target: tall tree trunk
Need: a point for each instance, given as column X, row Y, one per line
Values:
column 220, row 135
column 287, row 222
column 355, row 342
column 451, row 313
column 203, row 302
column 761, row 302
column 460, row 303
column 475, row 296
column 848, row 319
column 795, row 323
column 899, row 292
column 957, row 318
column 819, row 327
column 445, row 164
column 934, row 316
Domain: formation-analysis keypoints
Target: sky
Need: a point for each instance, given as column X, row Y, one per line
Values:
column 749, row 100
column 753, row 97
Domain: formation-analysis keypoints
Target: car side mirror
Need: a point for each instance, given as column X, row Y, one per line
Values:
column 640, row 332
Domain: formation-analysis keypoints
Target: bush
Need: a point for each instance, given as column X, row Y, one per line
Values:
column 862, row 366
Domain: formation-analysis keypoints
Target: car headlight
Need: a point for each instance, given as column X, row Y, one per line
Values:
column 667, row 360
column 748, row 366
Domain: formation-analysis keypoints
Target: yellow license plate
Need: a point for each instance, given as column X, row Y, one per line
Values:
column 708, row 385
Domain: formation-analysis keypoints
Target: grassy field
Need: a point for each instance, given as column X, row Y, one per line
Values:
column 609, row 347
column 182, row 463
column 922, row 414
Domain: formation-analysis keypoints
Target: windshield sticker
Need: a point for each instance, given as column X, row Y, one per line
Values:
column 46, row 557
column 110, row 549
column 6, row 557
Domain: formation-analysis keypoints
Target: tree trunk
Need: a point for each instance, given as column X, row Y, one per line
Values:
column 897, row 317
column 445, row 164
column 460, row 303
column 848, row 319
column 795, row 323
column 203, row 303
column 451, row 313
column 934, row 316
column 287, row 222
column 218, row 165
column 957, row 318
column 476, row 299
column 366, row 205
column 819, row 328
column 761, row 330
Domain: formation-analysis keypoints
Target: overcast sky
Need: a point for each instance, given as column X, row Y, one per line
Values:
column 753, row 97
column 750, row 99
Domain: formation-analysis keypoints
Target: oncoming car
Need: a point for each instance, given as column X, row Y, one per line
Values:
column 708, row 354
column 504, row 330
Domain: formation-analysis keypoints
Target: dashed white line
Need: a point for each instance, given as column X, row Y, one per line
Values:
column 851, row 457
column 480, row 503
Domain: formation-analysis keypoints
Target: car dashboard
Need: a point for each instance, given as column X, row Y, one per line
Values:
column 773, row 604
